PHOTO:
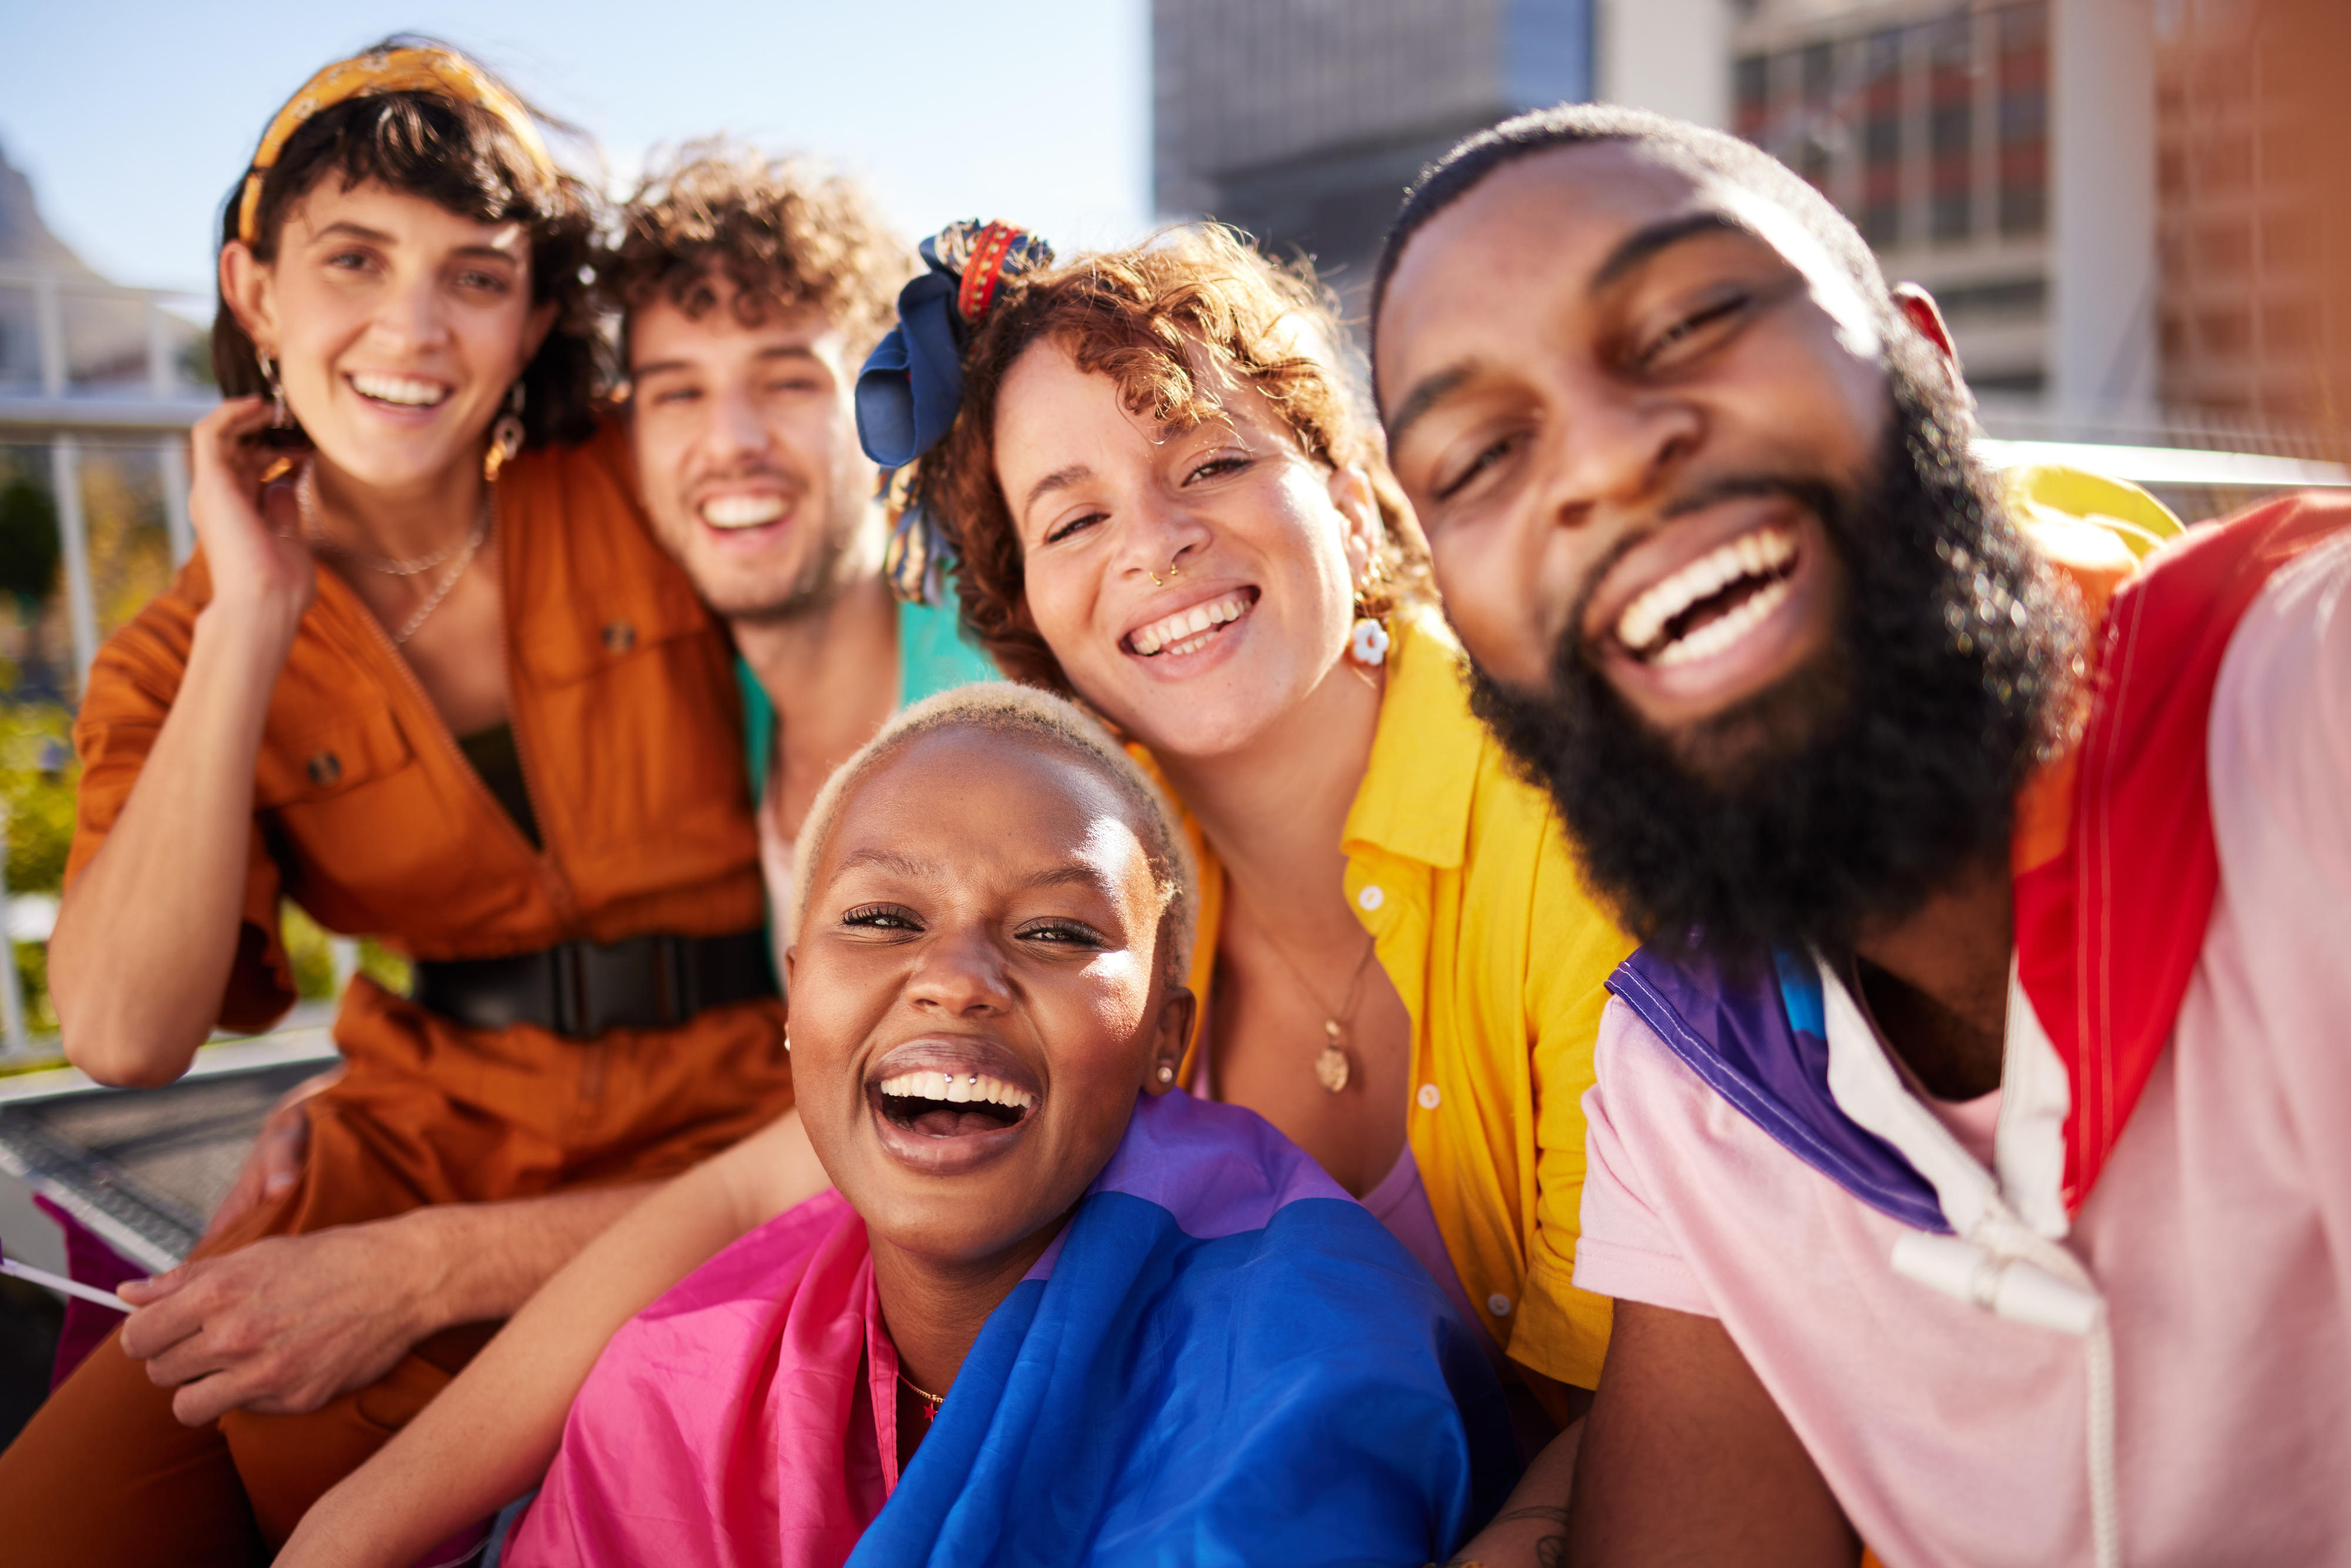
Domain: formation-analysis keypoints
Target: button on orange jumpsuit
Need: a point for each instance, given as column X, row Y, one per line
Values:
column 623, row 698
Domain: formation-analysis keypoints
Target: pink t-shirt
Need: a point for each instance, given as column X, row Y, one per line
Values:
column 2219, row 1234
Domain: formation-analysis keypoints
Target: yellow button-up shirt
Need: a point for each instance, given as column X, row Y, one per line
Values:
column 1461, row 872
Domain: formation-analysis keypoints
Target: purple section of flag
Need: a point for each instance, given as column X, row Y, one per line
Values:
column 1736, row 1035
column 1218, row 1169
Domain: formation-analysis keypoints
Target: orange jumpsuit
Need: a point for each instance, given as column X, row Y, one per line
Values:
column 623, row 704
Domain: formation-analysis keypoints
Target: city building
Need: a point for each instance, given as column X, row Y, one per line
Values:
column 2117, row 202
column 2246, row 201
column 1301, row 122
column 2002, row 155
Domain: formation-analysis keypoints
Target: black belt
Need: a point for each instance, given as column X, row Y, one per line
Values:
column 580, row 989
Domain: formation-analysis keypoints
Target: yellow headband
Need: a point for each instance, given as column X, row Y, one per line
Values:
column 437, row 72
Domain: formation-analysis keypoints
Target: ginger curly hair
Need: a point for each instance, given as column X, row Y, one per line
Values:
column 785, row 232
column 1146, row 318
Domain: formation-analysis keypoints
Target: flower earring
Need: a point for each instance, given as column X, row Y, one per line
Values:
column 505, row 435
column 1369, row 643
column 278, row 418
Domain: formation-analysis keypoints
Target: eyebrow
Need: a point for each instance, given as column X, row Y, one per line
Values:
column 1643, row 245
column 1059, row 479
column 1070, row 873
column 346, row 229
column 660, row 367
column 343, row 228
column 1426, row 395
column 1633, row 251
column 889, row 859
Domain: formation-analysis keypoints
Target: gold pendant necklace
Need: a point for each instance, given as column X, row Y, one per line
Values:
column 1331, row 1067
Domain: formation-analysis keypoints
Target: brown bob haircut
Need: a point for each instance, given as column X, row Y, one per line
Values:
column 462, row 158
column 784, row 232
column 1150, row 319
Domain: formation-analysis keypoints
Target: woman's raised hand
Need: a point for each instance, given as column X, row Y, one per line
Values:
column 252, row 539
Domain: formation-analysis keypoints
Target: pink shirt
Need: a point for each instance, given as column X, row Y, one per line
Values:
column 2220, row 1235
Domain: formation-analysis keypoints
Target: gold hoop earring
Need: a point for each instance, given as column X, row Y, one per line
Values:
column 278, row 418
column 505, row 435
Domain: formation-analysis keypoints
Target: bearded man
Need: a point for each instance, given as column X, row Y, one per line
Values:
column 1965, row 1156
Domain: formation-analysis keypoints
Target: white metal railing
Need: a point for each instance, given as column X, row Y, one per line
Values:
column 153, row 412
column 137, row 399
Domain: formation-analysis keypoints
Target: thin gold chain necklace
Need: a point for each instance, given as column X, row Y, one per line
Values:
column 314, row 527
column 1331, row 1068
column 931, row 1402
column 306, row 496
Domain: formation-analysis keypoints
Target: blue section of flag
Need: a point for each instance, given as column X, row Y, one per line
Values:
column 1799, row 993
column 1298, row 1392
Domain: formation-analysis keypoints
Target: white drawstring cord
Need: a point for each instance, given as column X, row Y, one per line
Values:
column 2105, row 1505
column 2028, row 1278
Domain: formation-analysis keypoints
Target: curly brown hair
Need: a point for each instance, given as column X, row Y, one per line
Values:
column 785, row 232
column 461, row 157
column 1146, row 318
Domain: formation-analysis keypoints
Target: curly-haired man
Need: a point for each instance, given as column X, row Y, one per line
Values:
column 750, row 291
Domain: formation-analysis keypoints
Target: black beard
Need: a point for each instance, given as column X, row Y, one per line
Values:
column 1845, row 795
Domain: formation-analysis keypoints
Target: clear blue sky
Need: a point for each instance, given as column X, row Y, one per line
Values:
column 133, row 119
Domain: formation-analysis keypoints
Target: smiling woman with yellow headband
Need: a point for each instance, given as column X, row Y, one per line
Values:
column 428, row 675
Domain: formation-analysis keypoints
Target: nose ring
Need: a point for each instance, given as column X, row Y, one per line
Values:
column 1174, row 571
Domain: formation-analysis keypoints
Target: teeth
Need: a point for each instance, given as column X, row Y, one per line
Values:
column 742, row 511
column 408, row 391
column 956, row 1088
column 1749, row 555
column 1188, row 625
column 1724, row 630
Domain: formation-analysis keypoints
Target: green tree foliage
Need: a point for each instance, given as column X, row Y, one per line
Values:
column 28, row 540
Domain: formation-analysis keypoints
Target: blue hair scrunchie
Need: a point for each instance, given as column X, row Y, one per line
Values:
column 913, row 381
column 912, row 384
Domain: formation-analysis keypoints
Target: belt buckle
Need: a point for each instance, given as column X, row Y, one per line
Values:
column 567, row 974
column 643, row 982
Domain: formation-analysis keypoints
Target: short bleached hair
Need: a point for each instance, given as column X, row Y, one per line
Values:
column 1025, row 713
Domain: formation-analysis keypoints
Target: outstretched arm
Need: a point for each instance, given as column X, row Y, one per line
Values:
column 1686, row 1459
column 491, row 1434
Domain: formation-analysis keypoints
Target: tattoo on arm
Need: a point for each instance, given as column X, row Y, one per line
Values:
column 1551, row 1551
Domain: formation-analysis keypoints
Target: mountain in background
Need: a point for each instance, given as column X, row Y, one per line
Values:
column 106, row 327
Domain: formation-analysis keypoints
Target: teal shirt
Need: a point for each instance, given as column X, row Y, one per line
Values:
column 931, row 657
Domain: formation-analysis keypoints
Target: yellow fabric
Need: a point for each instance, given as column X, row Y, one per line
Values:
column 1483, row 925
column 2051, row 494
column 2096, row 531
column 440, row 73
